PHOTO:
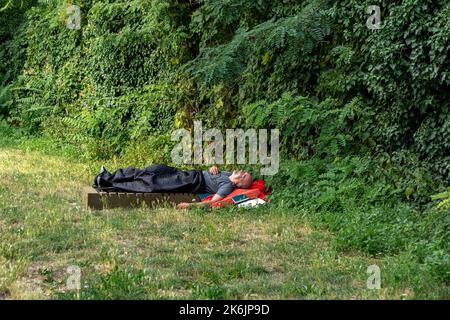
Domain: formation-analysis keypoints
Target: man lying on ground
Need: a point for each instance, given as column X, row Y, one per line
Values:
column 162, row 178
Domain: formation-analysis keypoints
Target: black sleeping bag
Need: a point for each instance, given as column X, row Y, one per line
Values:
column 155, row 178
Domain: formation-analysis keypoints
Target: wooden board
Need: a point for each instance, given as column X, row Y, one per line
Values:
column 92, row 199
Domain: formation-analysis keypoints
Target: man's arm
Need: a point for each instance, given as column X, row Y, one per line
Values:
column 217, row 197
column 187, row 205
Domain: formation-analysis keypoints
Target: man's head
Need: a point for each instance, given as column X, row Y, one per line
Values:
column 242, row 179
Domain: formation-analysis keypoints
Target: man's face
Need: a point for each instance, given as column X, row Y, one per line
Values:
column 241, row 178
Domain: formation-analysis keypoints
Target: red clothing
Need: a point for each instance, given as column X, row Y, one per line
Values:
column 256, row 190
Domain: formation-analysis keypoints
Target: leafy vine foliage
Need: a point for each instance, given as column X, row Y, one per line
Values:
column 364, row 114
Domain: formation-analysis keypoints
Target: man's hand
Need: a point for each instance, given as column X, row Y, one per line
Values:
column 208, row 203
column 184, row 205
column 214, row 170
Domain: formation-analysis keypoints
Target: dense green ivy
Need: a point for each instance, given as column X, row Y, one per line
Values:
column 219, row 56
column 214, row 59
column 364, row 114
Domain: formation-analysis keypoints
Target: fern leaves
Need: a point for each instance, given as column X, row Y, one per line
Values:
column 287, row 37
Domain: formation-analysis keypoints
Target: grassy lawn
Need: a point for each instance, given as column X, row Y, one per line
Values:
column 162, row 253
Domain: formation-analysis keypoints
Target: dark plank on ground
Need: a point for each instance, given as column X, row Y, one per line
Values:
column 92, row 199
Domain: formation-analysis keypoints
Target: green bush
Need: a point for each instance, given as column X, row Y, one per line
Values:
column 364, row 114
column 364, row 213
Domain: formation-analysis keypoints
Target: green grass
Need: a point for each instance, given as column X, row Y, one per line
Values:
column 262, row 253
